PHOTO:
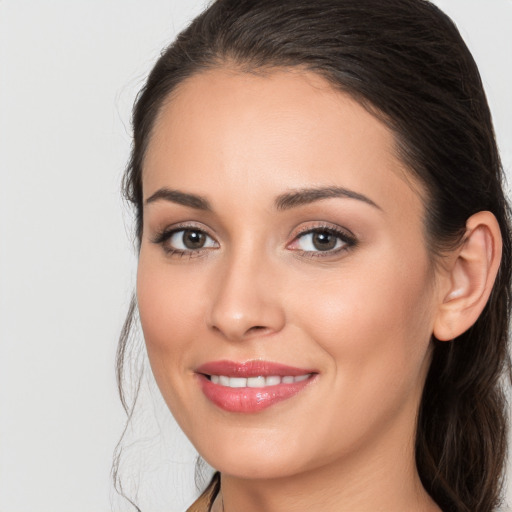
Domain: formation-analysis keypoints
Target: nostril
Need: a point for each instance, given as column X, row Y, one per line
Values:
column 257, row 328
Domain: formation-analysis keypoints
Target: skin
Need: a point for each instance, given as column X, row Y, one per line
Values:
column 361, row 317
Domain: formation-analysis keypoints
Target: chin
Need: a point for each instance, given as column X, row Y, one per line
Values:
column 264, row 468
column 263, row 460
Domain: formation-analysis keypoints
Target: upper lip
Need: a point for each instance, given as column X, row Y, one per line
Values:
column 255, row 368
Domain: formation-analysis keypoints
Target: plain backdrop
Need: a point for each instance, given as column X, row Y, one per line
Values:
column 69, row 72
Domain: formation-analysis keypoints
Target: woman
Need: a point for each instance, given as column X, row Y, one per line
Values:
column 324, row 256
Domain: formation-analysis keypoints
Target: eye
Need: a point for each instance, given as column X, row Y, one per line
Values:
column 322, row 240
column 185, row 241
column 190, row 239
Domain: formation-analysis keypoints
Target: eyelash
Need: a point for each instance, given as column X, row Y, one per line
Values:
column 348, row 240
column 165, row 235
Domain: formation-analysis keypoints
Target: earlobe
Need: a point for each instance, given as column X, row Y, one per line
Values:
column 473, row 269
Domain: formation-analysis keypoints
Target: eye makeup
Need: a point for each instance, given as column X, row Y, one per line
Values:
column 186, row 239
column 314, row 241
column 322, row 240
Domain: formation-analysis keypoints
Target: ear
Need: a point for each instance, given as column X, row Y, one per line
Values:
column 471, row 274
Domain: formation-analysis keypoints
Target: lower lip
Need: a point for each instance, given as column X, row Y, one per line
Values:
column 249, row 400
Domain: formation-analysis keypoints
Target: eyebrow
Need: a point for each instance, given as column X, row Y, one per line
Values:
column 310, row 195
column 283, row 202
column 183, row 198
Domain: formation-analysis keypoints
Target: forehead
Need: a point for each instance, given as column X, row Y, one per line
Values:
column 248, row 133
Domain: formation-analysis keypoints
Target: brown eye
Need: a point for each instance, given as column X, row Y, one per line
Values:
column 193, row 239
column 186, row 240
column 324, row 240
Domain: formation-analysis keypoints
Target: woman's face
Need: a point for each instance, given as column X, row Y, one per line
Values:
column 285, row 290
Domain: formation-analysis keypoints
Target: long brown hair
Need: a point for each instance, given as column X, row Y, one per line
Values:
column 405, row 61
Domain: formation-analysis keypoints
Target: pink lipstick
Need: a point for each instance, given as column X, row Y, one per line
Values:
column 251, row 386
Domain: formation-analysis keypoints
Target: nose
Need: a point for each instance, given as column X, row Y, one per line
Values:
column 245, row 302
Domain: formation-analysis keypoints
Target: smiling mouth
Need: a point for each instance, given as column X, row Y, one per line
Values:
column 251, row 386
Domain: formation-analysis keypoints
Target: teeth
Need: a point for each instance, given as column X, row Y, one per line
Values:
column 237, row 382
column 256, row 382
column 272, row 381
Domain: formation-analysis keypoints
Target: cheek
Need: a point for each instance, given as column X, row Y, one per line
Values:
column 169, row 308
column 374, row 325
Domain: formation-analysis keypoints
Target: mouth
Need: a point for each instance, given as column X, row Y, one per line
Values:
column 252, row 386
